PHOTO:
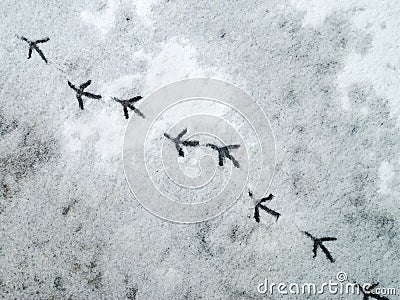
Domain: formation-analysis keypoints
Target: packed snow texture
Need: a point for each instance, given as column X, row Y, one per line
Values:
column 325, row 72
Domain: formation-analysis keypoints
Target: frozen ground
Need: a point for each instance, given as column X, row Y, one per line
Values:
column 325, row 72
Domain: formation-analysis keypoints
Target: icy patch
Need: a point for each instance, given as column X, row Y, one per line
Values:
column 144, row 11
column 318, row 10
column 386, row 174
column 104, row 19
column 104, row 129
column 380, row 65
column 176, row 61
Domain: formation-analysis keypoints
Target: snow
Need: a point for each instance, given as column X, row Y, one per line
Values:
column 325, row 73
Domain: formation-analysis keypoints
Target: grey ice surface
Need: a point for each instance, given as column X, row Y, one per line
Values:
column 325, row 72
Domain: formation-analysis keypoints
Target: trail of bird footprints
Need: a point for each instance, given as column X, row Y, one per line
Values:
column 318, row 243
column 223, row 153
column 128, row 103
column 33, row 46
column 179, row 143
column 80, row 92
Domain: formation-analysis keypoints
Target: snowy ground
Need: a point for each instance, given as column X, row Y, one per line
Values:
column 325, row 72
